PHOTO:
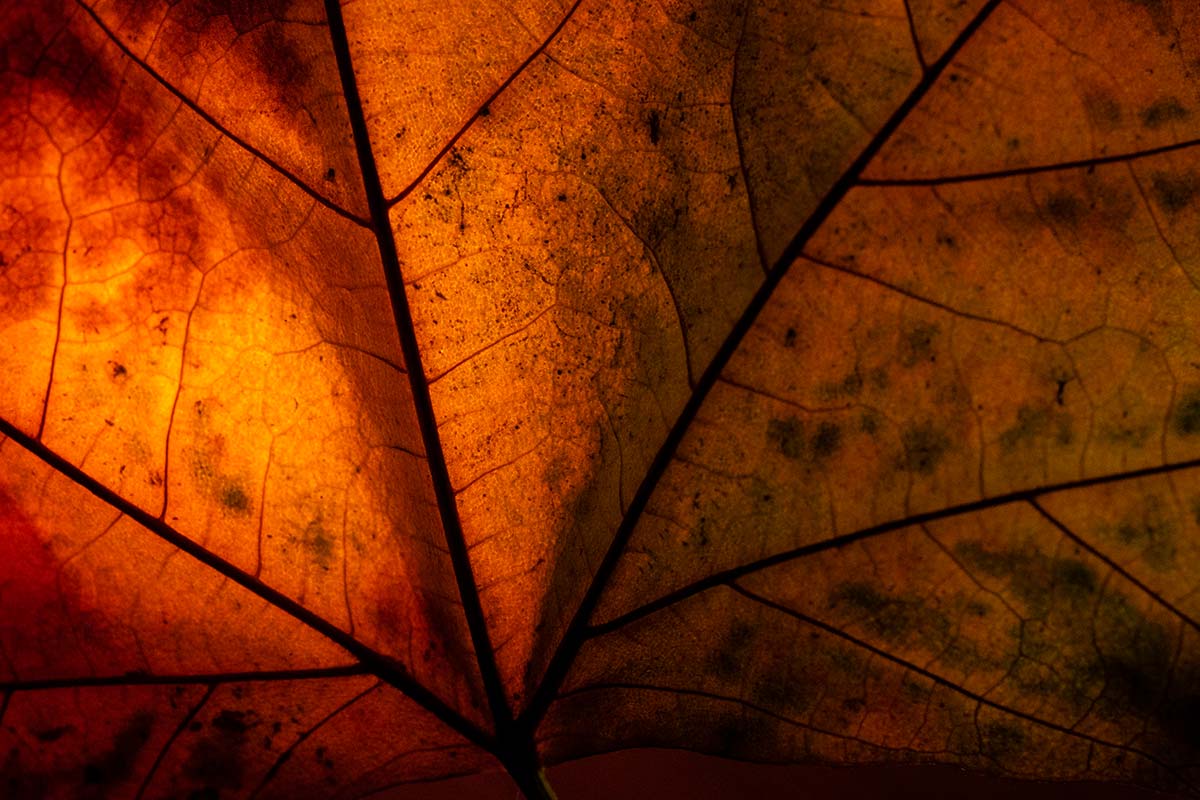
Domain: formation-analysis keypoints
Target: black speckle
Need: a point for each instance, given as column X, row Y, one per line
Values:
column 1077, row 579
column 117, row 370
column 826, row 440
column 485, row 111
column 1163, row 111
column 232, row 721
column 234, row 498
column 924, row 447
column 216, row 761
column 1037, row 579
column 789, row 338
column 320, row 544
column 787, row 436
column 1174, row 192
column 1152, row 530
column 117, row 764
column 917, row 345
column 894, row 618
column 1064, row 207
column 862, row 596
column 655, row 124
column 330, row 174
column 1187, row 413
column 53, row 734
column 1031, row 421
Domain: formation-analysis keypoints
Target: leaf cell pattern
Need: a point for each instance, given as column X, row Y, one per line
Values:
column 398, row 393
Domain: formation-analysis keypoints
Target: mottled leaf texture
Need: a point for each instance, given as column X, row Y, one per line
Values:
column 398, row 390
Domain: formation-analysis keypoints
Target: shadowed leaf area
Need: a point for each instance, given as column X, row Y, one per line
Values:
column 397, row 391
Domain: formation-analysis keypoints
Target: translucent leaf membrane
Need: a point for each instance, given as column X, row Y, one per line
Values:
column 216, row 347
column 88, row 593
column 996, row 349
column 994, row 640
column 577, row 256
column 265, row 738
column 1045, row 84
column 935, row 23
column 992, row 372
column 809, row 381
column 264, row 72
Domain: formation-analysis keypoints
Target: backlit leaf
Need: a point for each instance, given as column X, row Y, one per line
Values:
column 397, row 391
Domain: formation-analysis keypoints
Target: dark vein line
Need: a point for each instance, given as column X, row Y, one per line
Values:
column 211, row 120
column 541, row 48
column 1026, row 495
column 384, row 667
column 426, row 419
column 145, row 679
column 1114, row 566
column 741, row 151
column 576, row 632
column 919, row 298
column 62, row 298
column 916, row 40
column 1017, row 172
column 179, row 729
column 630, row 686
column 938, row 679
column 372, row 773
column 664, row 275
column 286, row 755
column 442, row 776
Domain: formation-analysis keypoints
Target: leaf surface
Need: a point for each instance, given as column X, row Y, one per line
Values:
column 391, row 392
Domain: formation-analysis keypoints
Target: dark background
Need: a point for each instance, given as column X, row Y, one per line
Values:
column 679, row 775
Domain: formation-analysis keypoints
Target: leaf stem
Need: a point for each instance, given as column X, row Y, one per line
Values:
column 528, row 773
column 439, row 473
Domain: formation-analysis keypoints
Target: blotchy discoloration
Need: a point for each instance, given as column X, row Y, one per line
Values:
column 264, row 71
column 204, row 335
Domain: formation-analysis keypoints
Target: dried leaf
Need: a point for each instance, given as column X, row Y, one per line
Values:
column 394, row 393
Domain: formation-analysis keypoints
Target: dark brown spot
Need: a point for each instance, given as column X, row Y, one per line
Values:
column 924, row 447
column 1164, row 111
column 1174, row 192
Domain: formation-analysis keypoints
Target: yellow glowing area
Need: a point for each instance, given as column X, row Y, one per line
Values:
column 392, row 391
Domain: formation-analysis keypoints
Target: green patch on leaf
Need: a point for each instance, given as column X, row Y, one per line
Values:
column 787, row 435
column 729, row 658
column 924, row 447
column 790, row 438
column 1174, row 192
column 1149, row 529
column 1163, row 111
column 319, row 543
column 1186, row 419
column 916, row 344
